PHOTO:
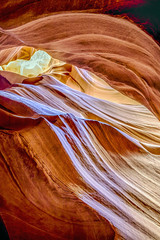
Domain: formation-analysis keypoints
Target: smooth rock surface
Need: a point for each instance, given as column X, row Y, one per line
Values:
column 79, row 152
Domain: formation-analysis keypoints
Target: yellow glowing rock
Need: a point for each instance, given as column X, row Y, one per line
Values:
column 38, row 63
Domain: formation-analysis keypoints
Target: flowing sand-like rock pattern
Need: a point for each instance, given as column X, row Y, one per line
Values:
column 117, row 51
column 80, row 143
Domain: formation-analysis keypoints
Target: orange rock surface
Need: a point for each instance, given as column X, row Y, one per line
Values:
column 80, row 142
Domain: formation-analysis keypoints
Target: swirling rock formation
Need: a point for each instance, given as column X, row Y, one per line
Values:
column 79, row 159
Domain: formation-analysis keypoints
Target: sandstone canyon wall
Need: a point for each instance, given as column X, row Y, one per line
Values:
column 79, row 142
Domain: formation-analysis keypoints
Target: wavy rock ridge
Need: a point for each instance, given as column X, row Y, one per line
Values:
column 80, row 161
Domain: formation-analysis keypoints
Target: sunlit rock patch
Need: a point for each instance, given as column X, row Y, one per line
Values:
column 39, row 62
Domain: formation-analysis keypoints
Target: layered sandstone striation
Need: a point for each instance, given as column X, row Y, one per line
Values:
column 79, row 140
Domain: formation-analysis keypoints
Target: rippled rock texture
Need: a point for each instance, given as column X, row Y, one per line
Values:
column 79, row 142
